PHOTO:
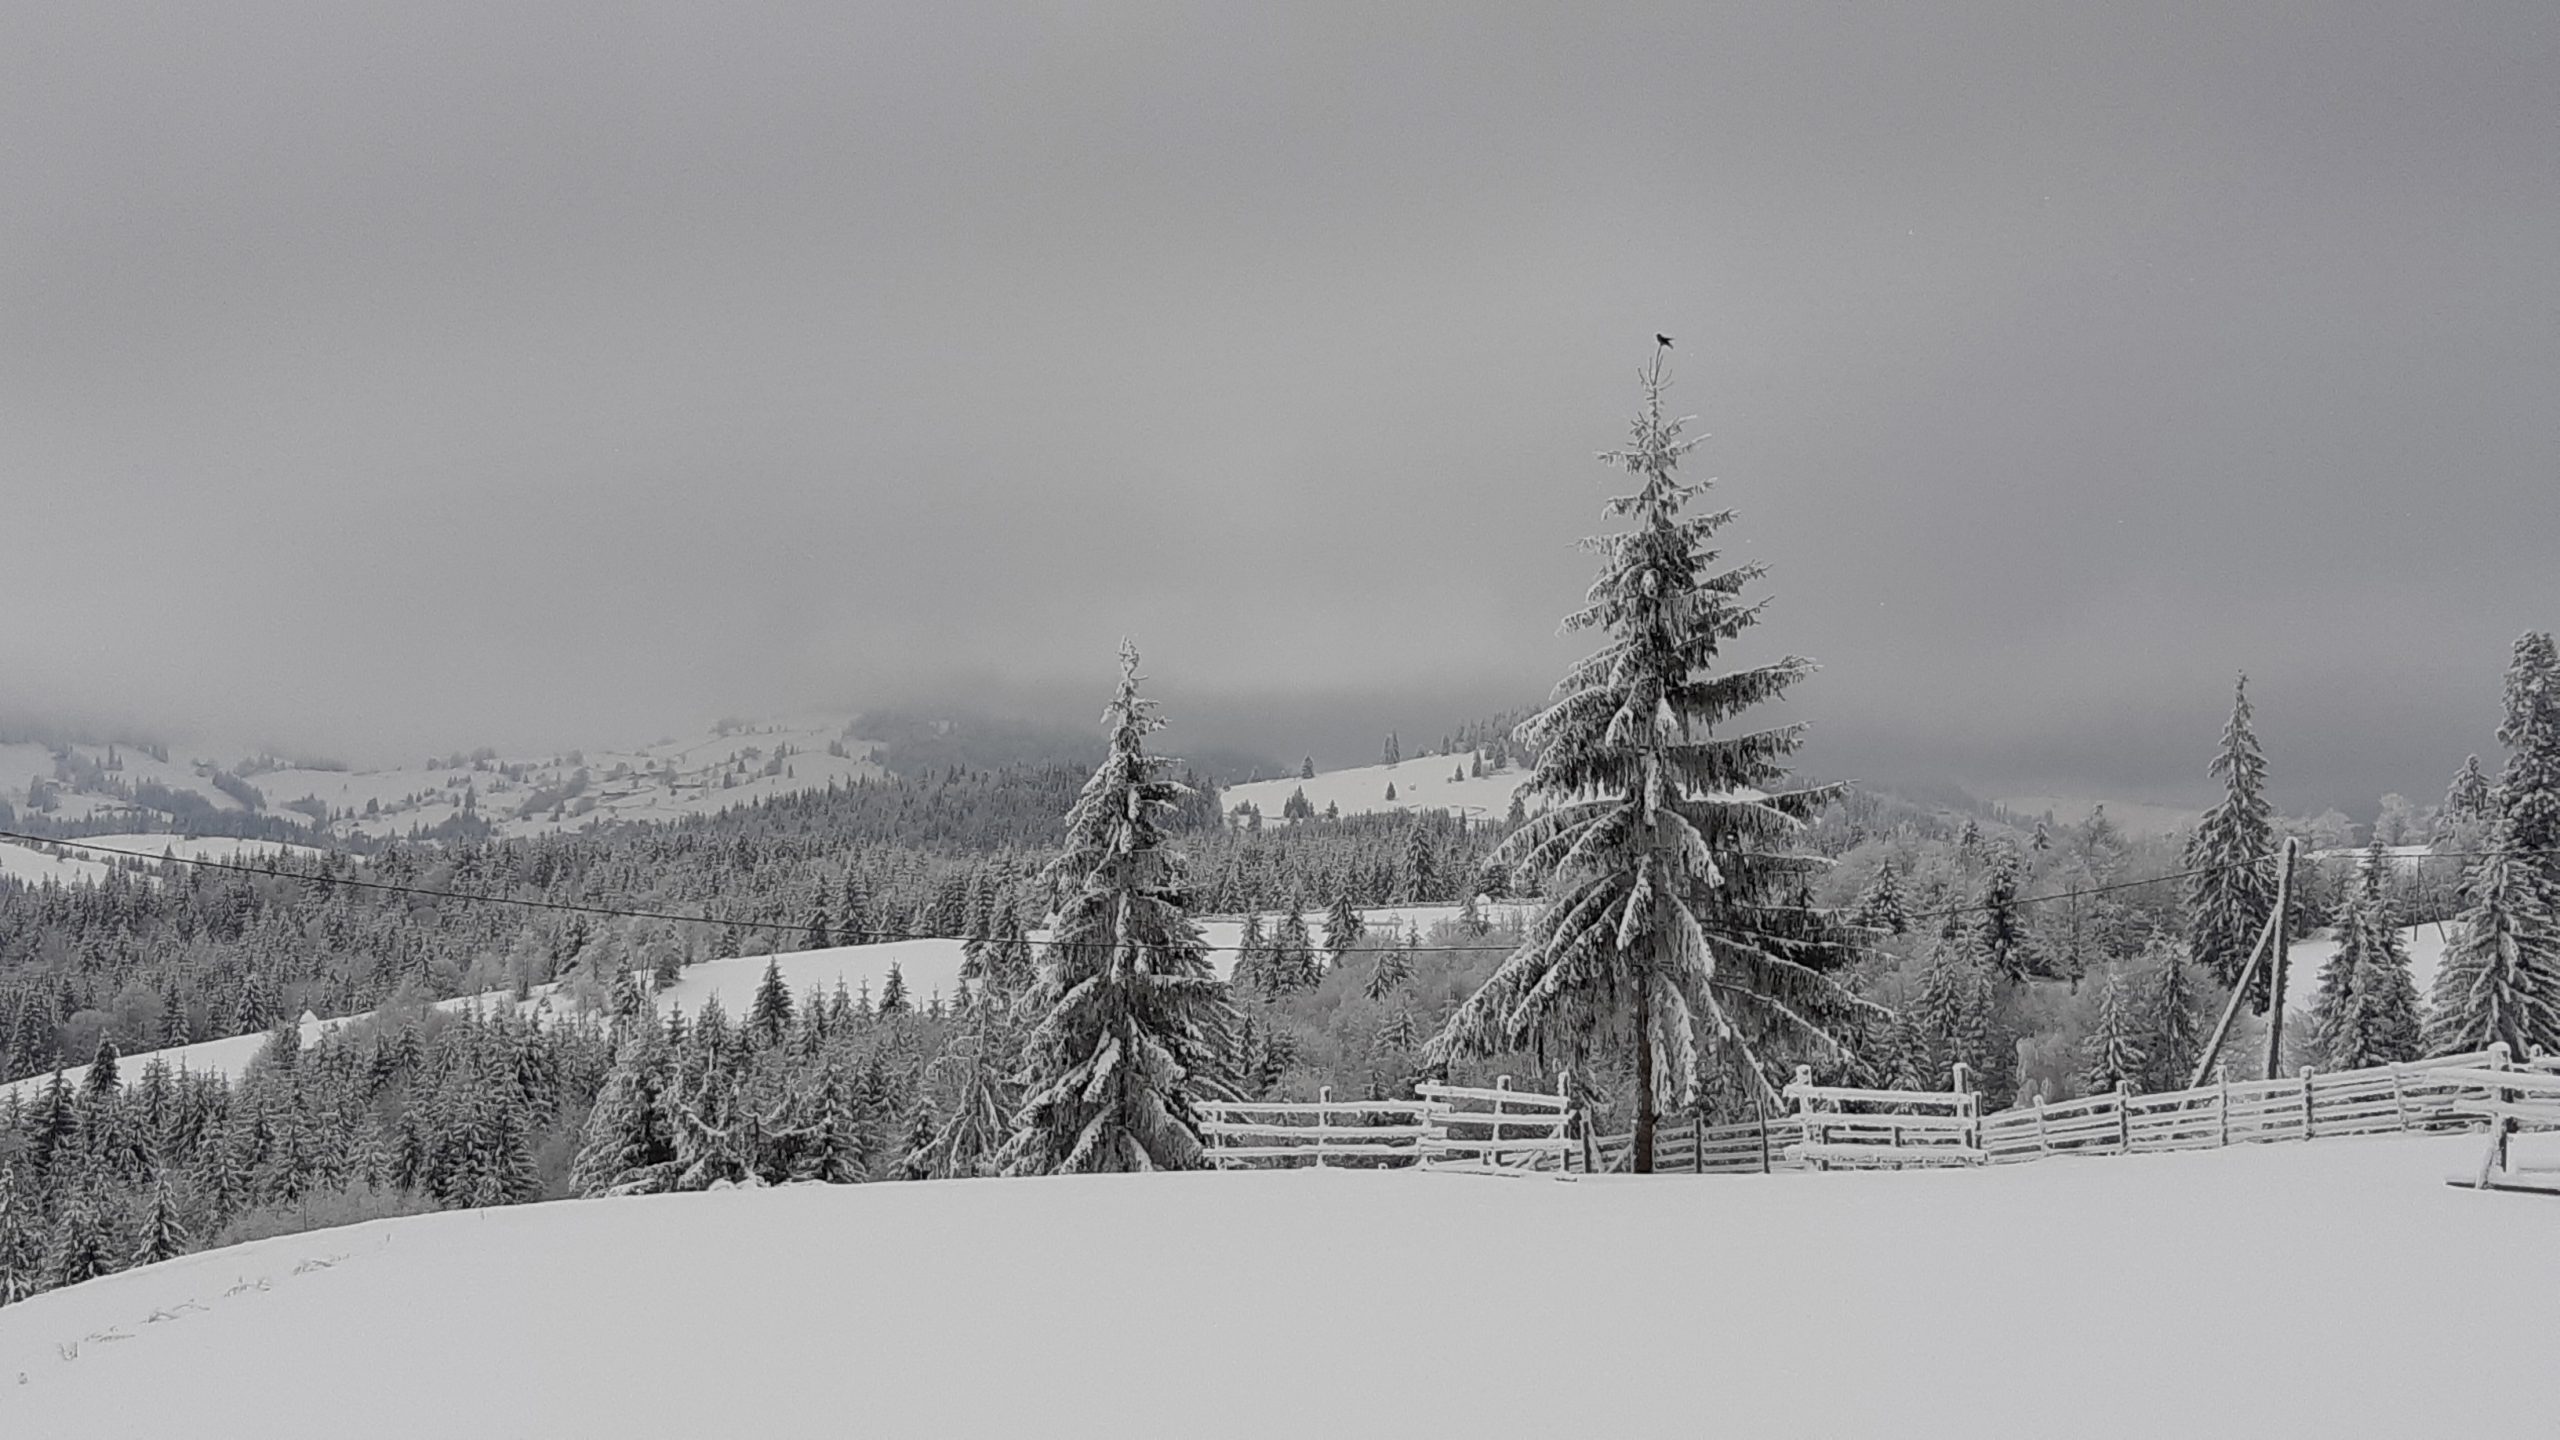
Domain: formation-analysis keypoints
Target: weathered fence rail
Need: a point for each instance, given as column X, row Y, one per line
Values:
column 1501, row 1130
column 1493, row 1130
column 1844, row 1126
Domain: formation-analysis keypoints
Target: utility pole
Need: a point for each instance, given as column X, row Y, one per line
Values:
column 2276, row 962
column 2269, row 948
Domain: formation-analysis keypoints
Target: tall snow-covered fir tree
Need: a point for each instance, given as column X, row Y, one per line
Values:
column 2528, row 794
column 2366, row 1010
column 2500, row 977
column 1130, row 1018
column 1667, row 845
column 2228, row 901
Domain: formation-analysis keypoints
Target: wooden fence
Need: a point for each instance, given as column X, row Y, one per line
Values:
column 1844, row 1125
column 1838, row 1125
column 1496, row 1130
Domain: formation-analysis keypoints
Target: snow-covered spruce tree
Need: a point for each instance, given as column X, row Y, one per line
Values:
column 1421, row 878
column 629, row 1144
column 2500, row 979
column 1252, row 970
column 2228, row 901
column 2113, row 1050
column 2172, row 1030
column 2469, row 797
column 1948, row 1022
column 83, row 1246
column 1880, row 906
column 894, row 1003
column 1665, row 845
column 1293, row 953
column 164, row 1233
column 971, row 1084
column 1130, row 1018
column 1343, row 928
column 2366, row 1011
column 21, row 1248
column 2528, row 794
column 769, row 1018
column 1393, row 972
column 1999, row 929
column 1000, row 963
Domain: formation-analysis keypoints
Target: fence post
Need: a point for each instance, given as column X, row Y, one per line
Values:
column 2399, row 1100
column 1960, row 1080
column 2306, row 1102
column 1565, row 1122
column 2044, row 1147
column 1324, row 1117
column 2124, row 1116
column 2500, row 1057
column 2222, row 1100
column 1804, row 1118
column 1493, row 1157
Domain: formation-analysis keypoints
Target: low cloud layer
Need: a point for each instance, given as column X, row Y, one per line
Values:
column 406, row 377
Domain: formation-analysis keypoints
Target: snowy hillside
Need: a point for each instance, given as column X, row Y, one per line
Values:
column 1424, row 782
column 41, row 865
column 929, row 968
column 2090, row 1298
column 520, row 795
column 89, row 859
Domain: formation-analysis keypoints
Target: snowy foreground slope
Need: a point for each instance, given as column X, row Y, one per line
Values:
column 2163, row 1295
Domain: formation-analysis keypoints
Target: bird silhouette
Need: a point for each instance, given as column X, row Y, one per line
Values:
column 1662, row 340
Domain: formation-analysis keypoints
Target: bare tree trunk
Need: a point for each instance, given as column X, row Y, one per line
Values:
column 1640, row 1150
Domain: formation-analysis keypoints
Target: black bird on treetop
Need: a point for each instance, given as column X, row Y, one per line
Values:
column 1662, row 340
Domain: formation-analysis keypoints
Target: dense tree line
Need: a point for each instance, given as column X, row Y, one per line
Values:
column 163, row 954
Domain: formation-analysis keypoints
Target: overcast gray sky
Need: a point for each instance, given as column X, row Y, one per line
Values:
column 412, row 375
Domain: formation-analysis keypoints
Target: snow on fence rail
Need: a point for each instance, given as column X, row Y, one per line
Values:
column 1840, row 1125
column 1844, row 1125
column 2511, row 1101
column 1500, row 1130
column 1252, row 1134
column 1451, row 1127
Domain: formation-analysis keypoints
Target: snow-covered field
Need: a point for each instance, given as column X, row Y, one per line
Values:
column 87, row 860
column 184, row 847
column 928, row 966
column 37, row 867
column 1422, row 783
column 2152, row 1296
column 225, row 1057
